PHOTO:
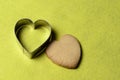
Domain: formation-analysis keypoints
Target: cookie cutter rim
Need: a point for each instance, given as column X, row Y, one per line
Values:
column 25, row 21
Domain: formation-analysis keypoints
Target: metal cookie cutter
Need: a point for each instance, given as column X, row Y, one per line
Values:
column 21, row 24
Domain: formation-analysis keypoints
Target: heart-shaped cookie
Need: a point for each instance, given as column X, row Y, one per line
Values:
column 33, row 37
column 65, row 52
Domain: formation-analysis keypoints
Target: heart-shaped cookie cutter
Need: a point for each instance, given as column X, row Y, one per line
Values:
column 20, row 24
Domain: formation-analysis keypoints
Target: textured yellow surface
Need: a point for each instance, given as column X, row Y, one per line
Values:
column 96, row 24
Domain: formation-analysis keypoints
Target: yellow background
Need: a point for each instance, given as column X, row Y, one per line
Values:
column 95, row 23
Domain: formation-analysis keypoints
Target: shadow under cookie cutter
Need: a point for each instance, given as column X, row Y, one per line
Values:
column 20, row 24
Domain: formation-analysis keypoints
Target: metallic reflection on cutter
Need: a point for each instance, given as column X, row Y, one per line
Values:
column 20, row 24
